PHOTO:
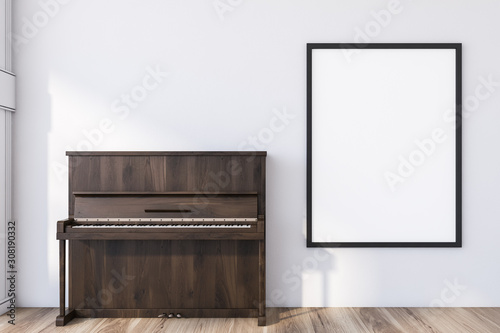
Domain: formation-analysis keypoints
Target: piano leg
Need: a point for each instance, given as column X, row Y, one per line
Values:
column 262, row 283
column 64, row 317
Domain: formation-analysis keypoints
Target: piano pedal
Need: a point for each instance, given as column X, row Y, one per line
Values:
column 178, row 315
column 163, row 315
column 170, row 315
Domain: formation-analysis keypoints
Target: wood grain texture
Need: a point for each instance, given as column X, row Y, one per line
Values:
column 153, row 234
column 141, row 173
column 168, row 206
column 164, row 274
column 62, row 276
column 145, row 272
column 280, row 320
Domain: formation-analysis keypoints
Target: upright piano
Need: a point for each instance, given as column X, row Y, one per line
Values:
column 164, row 234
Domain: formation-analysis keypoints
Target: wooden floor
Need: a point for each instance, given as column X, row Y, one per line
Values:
column 289, row 320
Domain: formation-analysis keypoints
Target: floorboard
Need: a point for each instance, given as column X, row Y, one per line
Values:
column 280, row 320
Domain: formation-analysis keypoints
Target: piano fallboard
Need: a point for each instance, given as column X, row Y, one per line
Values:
column 165, row 205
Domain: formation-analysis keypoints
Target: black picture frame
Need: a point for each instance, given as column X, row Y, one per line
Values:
column 452, row 240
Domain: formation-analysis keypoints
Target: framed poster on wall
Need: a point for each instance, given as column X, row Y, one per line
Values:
column 384, row 145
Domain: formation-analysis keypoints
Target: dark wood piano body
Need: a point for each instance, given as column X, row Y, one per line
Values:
column 180, row 247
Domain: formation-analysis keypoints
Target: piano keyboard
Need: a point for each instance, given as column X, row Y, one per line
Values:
column 201, row 222
column 165, row 219
column 162, row 226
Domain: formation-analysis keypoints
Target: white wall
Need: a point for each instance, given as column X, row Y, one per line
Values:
column 226, row 81
column 3, row 33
